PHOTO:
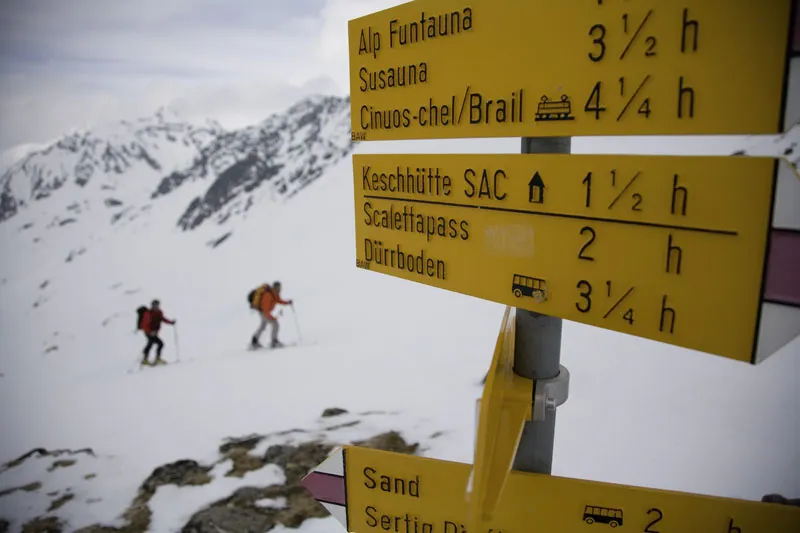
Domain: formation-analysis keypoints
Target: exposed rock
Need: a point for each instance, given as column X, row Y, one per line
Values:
column 391, row 442
column 333, row 411
column 55, row 504
column 246, row 443
column 30, row 487
column 297, row 461
column 5, row 526
column 237, row 450
column 777, row 498
column 240, row 512
column 48, row 524
column 90, row 476
column 229, row 519
column 61, row 463
column 243, row 510
column 345, row 425
column 182, row 472
column 43, row 452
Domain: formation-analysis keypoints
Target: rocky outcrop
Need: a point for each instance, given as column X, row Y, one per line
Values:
column 251, row 508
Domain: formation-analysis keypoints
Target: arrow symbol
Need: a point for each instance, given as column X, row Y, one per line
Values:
column 327, row 484
column 536, row 189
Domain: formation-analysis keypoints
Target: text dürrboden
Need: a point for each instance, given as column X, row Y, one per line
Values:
column 426, row 186
column 407, row 522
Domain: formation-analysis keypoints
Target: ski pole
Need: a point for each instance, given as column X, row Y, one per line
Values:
column 296, row 324
column 177, row 347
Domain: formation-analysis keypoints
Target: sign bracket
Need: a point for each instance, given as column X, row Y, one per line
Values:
column 550, row 393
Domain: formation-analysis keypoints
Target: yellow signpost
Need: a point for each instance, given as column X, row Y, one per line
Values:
column 540, row 68
column 373, row 490
column 505, row 407
column 666, row 248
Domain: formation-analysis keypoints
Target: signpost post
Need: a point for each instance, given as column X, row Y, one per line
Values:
column 670, row 248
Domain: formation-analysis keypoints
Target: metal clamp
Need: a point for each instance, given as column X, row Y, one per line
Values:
column 550, row 393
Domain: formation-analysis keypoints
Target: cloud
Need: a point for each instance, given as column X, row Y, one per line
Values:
column 77, row 63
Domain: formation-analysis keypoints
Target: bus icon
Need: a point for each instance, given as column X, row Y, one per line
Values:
column 602, row 515
column 535, row 288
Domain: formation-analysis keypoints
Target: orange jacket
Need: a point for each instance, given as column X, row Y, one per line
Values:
column 268, row 301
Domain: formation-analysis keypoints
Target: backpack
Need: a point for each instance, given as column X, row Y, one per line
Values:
column 254, row 296
column 140, row 311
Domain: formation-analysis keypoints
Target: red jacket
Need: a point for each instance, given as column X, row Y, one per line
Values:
column 151, row 321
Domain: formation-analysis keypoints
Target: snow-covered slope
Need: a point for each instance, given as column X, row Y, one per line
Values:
column 57, row 202
column 639, row 412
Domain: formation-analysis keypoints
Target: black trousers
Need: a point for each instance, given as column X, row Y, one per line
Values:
column 153, row 340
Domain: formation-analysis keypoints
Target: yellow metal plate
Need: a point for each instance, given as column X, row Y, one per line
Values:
column 505, row 406
column 407, row 494
column 666, row 248
column 492, row 68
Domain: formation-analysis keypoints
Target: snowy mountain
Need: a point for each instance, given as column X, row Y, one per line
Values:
column 119, row 159
column 214, row 440
column 122, row 169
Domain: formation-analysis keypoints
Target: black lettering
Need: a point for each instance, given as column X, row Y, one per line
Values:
column 392, row 32
column 651, row 46
column 687, row 25
column 648, row 527
column 371, row 520
column 364, row 125
column 471, row 191
column 475, row 104
column 489, row 187
column 586, row 295
column 593, row 102
column 667, row 313
column 732, row 528
column 367, row 212
column 497, row 194
column 362, row 44
column 684, row 195
column 365, row 178
column 684, row 90
column 601, row 30
column 369, row 482
column 638, row 200
column 452, row 527
column 377, row 252
column 588, row 182
column 429, row 27
column 392, row 77
column 678, row 256
column 464, row 230
column 592, row 236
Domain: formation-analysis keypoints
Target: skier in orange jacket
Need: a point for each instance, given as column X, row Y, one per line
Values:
column 269, row 298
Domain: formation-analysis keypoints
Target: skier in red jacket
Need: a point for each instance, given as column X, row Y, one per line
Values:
column 150, row 324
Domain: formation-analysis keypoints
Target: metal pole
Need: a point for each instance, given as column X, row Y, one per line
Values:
column 537, row 353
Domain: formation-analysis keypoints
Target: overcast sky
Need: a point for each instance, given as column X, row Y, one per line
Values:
column 72, row 63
